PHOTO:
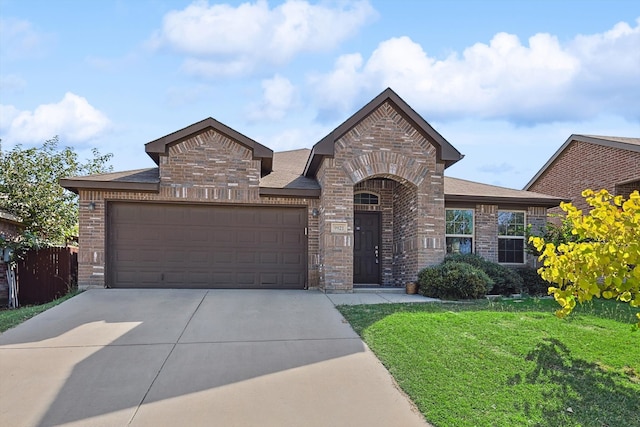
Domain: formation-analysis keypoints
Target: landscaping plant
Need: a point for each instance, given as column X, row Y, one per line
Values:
column 454, row 280
column 505, row 280
column 605, row 259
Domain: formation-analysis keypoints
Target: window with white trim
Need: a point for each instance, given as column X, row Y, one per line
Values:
column 366, row 198
column 511, row 237
column 459, row 231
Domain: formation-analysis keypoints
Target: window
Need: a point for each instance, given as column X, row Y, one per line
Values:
column 366, row 199
column 511, row 237
column 459, row 231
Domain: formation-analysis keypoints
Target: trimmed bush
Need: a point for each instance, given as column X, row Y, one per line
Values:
column 534, row 285
column 506, row 280
column 454, row 280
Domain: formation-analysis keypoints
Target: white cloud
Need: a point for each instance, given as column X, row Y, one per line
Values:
column 487, row 143
column 222, row 40
column 73, row 119
column 542, row 80
column 279, row 97
column 19, row 40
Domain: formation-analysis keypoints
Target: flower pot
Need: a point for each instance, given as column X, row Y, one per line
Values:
column 412, row 288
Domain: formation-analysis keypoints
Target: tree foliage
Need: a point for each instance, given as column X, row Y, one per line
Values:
column 29, row 188
column 604, row 260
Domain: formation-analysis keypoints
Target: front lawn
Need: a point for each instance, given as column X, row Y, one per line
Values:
column 509, row 363
column 13, row 317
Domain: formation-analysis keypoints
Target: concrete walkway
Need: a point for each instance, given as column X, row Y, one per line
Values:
column 373, row 296
column 196, row 358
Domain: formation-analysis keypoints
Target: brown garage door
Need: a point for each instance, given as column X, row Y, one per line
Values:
column 153, row 245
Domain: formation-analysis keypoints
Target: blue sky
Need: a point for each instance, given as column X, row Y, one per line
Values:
column 506, row 82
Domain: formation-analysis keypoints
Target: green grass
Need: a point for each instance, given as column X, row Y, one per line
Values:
column 509, row 363
column 10, row 318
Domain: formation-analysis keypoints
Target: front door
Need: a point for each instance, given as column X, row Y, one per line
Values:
column 366, row 248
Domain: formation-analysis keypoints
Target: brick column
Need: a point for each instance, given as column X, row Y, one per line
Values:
column 336, row 246
column 486, row 229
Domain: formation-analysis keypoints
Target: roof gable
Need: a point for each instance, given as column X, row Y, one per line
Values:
column 630, row 144
column 160, row 146
column 326, row 146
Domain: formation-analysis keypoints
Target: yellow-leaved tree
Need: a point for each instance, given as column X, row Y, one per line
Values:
column 605, row 259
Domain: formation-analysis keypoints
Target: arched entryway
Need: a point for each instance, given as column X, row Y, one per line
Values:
column 385, row 224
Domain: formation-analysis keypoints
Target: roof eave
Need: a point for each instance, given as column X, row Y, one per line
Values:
column 11, row 219
column 519, row 201
column 306, row 193
column 75, row 185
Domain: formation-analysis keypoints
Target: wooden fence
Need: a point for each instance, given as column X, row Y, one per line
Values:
column 46, row 274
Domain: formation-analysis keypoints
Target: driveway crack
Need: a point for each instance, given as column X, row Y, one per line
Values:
column 155, row 378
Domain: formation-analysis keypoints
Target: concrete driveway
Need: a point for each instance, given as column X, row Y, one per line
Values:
column 111, row 357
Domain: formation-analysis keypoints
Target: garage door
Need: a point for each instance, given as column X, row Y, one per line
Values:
column 153, row 245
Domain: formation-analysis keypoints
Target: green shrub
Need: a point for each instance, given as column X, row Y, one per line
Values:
column 454, row 280
column 534, row 285
column 506, row 281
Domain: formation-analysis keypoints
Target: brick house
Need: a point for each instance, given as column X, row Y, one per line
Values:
column 368, row 205
column 10, row 226
column 594, row 162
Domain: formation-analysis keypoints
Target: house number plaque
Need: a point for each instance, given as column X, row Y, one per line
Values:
column 339, row 227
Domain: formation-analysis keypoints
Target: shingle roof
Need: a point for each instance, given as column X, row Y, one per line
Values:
column 134, row 180
column 286, row 179
column 461, row 190
column 620, row 139
column 287, row 171
column 624, row 143
column 287, row 175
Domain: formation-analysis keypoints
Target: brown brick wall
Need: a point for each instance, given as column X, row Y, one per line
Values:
column 210, row 166
column 584, row 165
column 405, row 234
column 486, row 230
column 626, row 189
column 206, row 169
column 382, row 146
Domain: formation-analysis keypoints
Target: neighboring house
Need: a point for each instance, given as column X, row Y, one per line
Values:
column 368, row 204
column 590, row 162
column 10, row 226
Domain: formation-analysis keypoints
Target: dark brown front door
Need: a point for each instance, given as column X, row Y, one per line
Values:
column 155, row 245
column 366, row 247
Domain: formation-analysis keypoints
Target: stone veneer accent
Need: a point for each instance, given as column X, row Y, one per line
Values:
column 383, row 146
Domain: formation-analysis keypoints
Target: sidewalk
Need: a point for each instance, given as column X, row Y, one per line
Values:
column 377, row 296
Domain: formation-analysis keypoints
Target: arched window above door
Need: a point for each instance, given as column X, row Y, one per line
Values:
column 366, row 198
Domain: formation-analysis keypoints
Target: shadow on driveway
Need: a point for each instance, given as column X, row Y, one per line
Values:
column 161, row 357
